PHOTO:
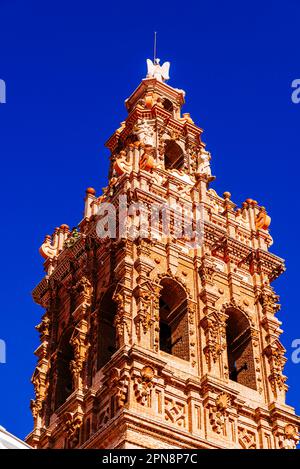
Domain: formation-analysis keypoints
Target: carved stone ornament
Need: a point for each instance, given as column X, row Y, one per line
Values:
column 204, row 166
column 84, row 286
column 290, row 438
column 72, row 423
column 262, row 221
column 83, row 291
column 119, row 383
column 206, row 270
column 147, row 161
column 192, row 308
column 121, row 164
column 148, row 307
column 145, row 132
column 175, row 412
column 35, row 408
column 217, row 413
column 143, row 385
column 52, row 245
column 41, row 384
column 80, row 346
column 275, row 353
column 44, row 326
column 246, row 438
column 269, row 300
column 121, row 321
column 214, row 326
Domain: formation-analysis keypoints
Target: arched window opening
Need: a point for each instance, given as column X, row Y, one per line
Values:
column 168, row 105
column 132, row 138
column 173, row 320
column 174, row 157
column 107, row 343
column 240, row 349
column 65, row 355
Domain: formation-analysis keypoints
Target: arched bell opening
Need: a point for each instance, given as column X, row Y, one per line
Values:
column 174, row 156
column 168, row 105
column 240, row 349
column 173, row 319
column 65, row 356
column 107, row 340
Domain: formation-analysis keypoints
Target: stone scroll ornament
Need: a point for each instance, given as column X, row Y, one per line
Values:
column 121, row 164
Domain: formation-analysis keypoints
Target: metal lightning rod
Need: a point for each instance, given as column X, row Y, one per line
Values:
column 154, row 48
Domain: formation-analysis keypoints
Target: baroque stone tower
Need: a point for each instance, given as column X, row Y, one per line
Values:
column 155, row 338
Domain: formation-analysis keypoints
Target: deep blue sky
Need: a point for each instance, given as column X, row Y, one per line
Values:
column 69, row 65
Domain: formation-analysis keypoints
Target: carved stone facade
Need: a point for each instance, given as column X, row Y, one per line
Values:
column 149, row 341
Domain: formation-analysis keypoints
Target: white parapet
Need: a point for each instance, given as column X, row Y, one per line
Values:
column 9, row 441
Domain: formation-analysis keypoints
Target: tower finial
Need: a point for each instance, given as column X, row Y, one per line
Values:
column 154, row 48
column 155, row 70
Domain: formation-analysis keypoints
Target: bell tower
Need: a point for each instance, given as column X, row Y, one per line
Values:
column 160, row 327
